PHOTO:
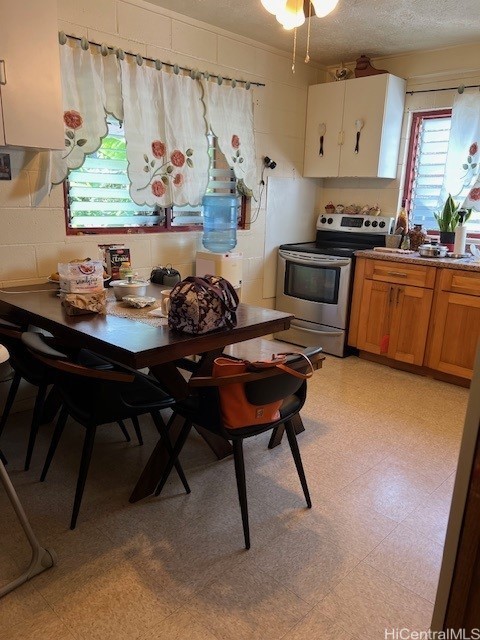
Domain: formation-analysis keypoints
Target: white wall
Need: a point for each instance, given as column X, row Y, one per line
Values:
column 33, row 240
column 449, row 67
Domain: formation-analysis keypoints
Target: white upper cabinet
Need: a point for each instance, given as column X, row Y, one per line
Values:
column 368, row 110
column 30, row 88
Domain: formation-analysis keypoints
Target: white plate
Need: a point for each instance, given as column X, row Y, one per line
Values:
column 138, row 301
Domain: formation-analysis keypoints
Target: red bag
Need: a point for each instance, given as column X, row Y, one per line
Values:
column 236, row 410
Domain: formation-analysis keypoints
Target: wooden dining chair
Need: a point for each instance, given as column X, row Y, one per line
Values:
column 202, row 408
column 94, row 397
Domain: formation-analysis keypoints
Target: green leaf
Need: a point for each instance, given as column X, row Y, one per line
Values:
column 240, row 159
column 469, row 159
column 238, row 152
column 234, row 159
column 169, row 169
column 67, row 142
column 465, row 166
column 164, row 179
column 189, row 152
column 70, row 134
column 145, row 157
column 152, row 163
column 81, row 142
column 146, row 169
column 190, row 163
column 474, row 165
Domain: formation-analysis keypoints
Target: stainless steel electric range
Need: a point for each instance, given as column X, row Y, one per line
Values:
column 314, row 279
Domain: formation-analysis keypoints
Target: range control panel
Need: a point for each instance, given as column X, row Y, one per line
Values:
column 356, row 223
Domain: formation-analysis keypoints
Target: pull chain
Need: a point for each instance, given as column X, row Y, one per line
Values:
column 294, row 48
column 307, row 57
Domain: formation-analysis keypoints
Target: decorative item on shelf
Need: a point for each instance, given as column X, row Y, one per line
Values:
column 339, row 208
column 329, row 208
column 364, row 68
column 374, row 211
column 417, row 236
column 342, row 74
column 352, row 209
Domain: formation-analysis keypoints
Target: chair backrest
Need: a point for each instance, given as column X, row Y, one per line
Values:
column 86, row 391
column 20, row 359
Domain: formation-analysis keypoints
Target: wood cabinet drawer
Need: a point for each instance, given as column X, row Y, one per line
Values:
column 459, row 281
column 400, row 273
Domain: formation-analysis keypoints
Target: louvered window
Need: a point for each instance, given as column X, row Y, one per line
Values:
column 98, row 199
column 428, row 149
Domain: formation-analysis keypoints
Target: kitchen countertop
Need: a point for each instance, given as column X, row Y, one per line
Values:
column 466, row 264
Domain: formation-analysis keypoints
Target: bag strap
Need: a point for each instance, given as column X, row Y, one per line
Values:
column 278, row 361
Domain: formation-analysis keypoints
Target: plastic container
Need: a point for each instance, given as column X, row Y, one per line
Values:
column 220, row 223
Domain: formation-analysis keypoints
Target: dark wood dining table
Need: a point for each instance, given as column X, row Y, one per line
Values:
column 138, row 345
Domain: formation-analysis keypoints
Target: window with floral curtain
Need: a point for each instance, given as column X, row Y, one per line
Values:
column 462, row 169
column 124, row 116
column 229, row 112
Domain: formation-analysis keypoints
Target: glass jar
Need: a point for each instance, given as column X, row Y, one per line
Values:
column 417, row 236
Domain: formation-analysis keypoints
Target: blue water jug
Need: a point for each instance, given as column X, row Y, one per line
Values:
column 220, row 223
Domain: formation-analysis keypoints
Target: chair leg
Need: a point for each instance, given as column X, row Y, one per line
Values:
column 292, row 441
column 59, row 427
column 241, row 487
column 163, row 431
column 182, row 437
column 3, row 459
column 82, row 475
column 122, row 426
column 36, row 419
column 138, row 431
column 10, row 400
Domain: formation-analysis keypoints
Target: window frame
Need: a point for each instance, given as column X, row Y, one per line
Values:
column 166, row 227
column 417, row 119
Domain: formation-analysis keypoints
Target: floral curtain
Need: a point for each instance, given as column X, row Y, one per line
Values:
column 230, row 117
column 165, row 130
column 462, row 170
column 90, row 88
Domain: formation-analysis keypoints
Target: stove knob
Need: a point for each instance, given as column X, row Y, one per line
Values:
column 323, row 220
column 330, row 220
column 367, row 223
column 381, row 224
column 374, row 223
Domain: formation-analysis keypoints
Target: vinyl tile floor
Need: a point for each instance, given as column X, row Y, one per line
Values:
column 380, row 451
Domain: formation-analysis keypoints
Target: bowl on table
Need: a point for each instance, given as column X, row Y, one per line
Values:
column 123, row 288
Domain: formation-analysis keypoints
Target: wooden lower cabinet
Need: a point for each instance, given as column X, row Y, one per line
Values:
column 419, row 315
column 394, row 321
column 456, row 328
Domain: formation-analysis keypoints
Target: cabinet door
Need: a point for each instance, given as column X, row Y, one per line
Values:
column 365, row 101
column 410, row 320
column 456, row 333
column 325, row 107
column 31, row 99
column 375, row 317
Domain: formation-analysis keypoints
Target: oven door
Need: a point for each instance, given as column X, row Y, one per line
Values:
column 313, row 287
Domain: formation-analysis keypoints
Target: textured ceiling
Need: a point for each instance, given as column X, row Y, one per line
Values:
column 372, row 27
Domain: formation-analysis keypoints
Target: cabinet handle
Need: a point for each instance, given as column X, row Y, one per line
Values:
column 400, row 274
column 3, row 74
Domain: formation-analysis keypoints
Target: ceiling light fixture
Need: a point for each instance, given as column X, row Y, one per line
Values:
column 292, row 14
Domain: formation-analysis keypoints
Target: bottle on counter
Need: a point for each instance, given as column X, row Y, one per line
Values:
column 402, row 219
column 405, row 242
column 125, row 272
column 460, row 233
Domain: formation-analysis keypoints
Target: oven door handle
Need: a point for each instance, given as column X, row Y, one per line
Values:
column 315, row 263
column 317, row 332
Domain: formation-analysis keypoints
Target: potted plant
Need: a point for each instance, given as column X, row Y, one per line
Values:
column 447, row 221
